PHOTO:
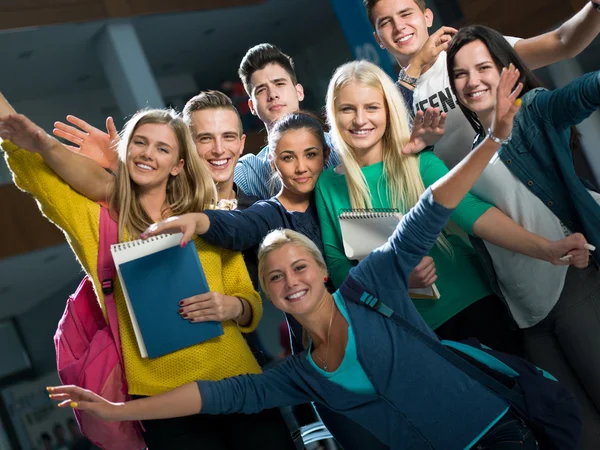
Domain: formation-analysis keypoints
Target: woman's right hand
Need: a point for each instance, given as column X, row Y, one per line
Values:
column 571, row 250
column 25, row 134
column 507, row 104
column 84, row 400
column 188, row 224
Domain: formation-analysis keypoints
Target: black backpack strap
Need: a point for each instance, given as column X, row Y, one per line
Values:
column 374, row 303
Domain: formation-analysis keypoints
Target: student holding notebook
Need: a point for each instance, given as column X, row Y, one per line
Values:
column 159, row 175
column 532, row 179
column 354, row 349
column 369, row 126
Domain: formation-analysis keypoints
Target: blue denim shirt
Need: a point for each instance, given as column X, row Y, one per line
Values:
column 539, row 155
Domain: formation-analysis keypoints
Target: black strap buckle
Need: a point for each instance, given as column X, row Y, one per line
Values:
column 107, row 286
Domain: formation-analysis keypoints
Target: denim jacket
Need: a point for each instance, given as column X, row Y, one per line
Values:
column 539, row 156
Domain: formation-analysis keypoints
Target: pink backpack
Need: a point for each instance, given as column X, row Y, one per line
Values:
column 88, row 350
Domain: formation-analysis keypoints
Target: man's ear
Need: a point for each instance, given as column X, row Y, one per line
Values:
column 379, row 41
column 428, row 17
column 177, row 168
column 251, row 106
column 300, row 91
column 242, row 144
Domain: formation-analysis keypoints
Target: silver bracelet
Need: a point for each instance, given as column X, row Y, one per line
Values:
column 498, row 140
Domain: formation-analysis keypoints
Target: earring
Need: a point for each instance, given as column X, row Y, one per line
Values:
column 326, row 279
column 382, row 46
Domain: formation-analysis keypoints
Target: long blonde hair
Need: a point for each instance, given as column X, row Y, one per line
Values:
column 192, row 190
column 403, row 182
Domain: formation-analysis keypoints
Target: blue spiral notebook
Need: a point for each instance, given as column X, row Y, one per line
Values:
column 156, row 274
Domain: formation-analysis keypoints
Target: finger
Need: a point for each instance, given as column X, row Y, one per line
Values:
column 67, row 136
column 59, row 397
column 418, row 121
column 515, row 94
column 430, row 280
column 428, row 272
column 197, row 308
column 168, row 226
column 196, row 299
column 436, row 117
column 80, row 123
column 425, row 262
column 68, row 129
column 428, row 119
column 442, row 123
column 188, row 235
column 207, row 318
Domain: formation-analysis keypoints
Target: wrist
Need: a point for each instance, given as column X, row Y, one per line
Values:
column 202, row 223
column 498, row 138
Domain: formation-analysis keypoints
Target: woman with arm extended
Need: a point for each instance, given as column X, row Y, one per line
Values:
column 159, row 175
column 369, row 127
column 533, row 181
column 354, row 349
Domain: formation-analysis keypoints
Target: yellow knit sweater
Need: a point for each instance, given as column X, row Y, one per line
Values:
column 78, row 217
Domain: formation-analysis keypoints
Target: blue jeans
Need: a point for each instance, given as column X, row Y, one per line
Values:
column 510, row 433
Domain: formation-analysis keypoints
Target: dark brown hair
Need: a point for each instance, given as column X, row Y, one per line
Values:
column 260, row 56
column 370, row 4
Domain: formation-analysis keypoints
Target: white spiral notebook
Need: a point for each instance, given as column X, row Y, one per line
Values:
column 365, row 230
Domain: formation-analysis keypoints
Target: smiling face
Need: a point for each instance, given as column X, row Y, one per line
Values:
column 361, row 117
column 293, row 279
column 476, row 78
column 299, row 159
column 401, row 27
column 216, row 134
column 273, row 94
column 153, row 156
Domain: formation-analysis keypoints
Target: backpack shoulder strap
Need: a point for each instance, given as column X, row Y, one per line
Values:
column 374, row 303
column 107, row 271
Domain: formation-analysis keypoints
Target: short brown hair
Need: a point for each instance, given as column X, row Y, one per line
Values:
column 209, row 100
column 370, row 4
column 260, row 56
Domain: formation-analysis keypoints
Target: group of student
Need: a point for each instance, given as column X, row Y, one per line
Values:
column 513, row 267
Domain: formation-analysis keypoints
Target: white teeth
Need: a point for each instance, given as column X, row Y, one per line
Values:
column 361, row 132
column 296, row 295
column 405, row 38
column 219, row 162
column 477, row 94
column 144, row 166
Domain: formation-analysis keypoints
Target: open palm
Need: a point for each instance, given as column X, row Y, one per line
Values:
column 428, row 128
column 90, row 141
column 25, row 134
column 507, row 104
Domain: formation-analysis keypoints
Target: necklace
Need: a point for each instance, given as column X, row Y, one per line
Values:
column 324, row 361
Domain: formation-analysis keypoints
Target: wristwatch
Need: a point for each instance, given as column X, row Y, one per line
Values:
column 498, row 140
column 403, row 76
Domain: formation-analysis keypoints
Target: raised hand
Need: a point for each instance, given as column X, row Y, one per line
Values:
column 437, row 43
column 90, row 141
column 188, row 224
column 428, row 128
column 507, row 104
column 84, row 400
column 25, row 134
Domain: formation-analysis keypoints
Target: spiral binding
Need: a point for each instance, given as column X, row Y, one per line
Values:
column 367, row 213
column 131, row 244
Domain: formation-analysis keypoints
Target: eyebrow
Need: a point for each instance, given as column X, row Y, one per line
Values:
column 276, row 80
column 458, row 69
column 209, row 134
column 402, row 11
column 294, row 263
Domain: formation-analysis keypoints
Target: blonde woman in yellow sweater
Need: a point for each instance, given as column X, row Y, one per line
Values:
column 159, row 175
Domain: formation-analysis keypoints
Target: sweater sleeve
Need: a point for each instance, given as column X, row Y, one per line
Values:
column 237, row 283
column 469, row 209
column 77, row 216
column 391, row 264
column 338, row 266
column 252, row 174
column 570, row 104
column 250, row 394
column 241, row 230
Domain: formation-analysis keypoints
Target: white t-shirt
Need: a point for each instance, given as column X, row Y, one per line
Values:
column 531, row 286
column 433, row 89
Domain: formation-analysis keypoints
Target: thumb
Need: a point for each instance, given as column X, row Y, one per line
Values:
column 410, row 148
column 576, row 241
column 188, row 235
column 111, row 128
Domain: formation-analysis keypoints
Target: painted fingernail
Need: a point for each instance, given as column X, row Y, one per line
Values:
column 50, row 389
column 73, row 404
column 184, row 316
column 518, row 102
column 181, row 303
column 180, row 310
column 183, row 244
column 566, row 258
column 590, row 247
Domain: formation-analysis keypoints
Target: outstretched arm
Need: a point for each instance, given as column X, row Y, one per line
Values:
column 242, row 394
column 565, row 42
